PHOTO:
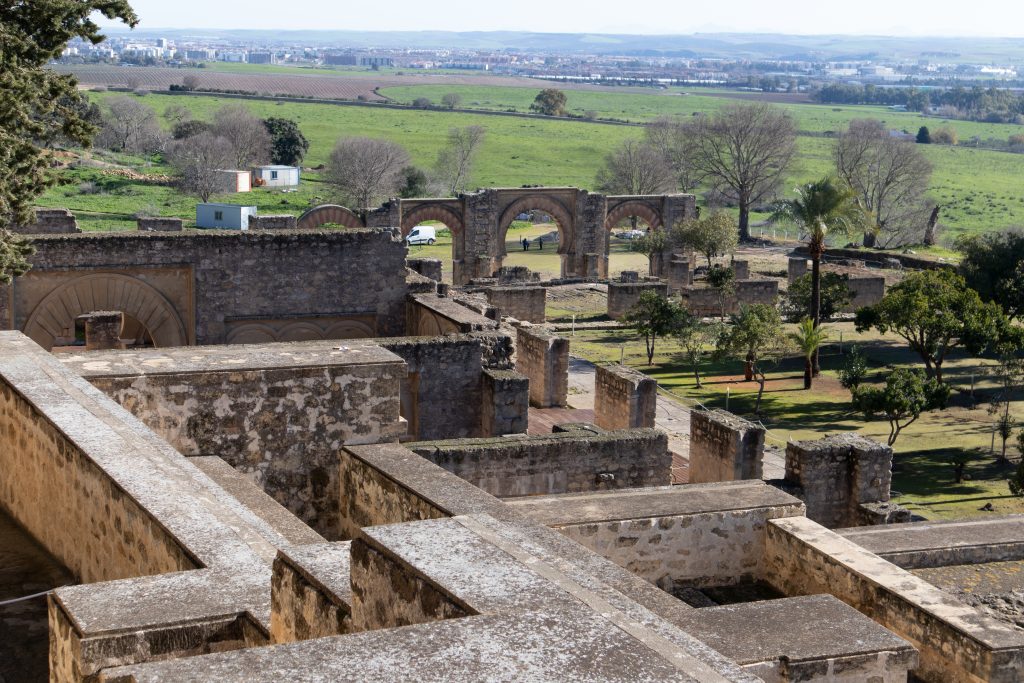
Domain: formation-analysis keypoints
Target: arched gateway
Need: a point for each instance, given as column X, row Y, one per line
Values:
column 479, row 223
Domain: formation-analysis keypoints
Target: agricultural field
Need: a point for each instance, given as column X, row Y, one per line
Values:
column 978, row 189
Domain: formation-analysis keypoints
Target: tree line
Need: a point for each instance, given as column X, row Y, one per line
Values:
column 993, row 105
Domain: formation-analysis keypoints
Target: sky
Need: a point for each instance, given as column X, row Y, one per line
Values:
column 861, row 17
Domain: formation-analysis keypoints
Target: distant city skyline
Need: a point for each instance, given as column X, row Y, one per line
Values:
column 989, row 18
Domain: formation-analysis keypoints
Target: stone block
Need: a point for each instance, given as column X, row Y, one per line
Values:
column 624, row 398
column 102, row 330
column 724, row 447
column 622, row 296
column 741, row 269
column 273, row 222
column 427, row 267
column 506, row 403
column 522, row 303
column 161, row 224
column 797, row 268
column 544, row 359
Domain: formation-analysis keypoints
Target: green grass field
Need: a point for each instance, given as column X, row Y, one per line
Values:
column 978, row 189
column 922, row 472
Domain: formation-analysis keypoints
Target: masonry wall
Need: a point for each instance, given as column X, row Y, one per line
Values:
column 956, row 642
column 152, row 224
column 505, row 403
column 431, row 315
column 704, row 301
column 50, row 222
column 522, row 303
column 273, row 222
column 835, row 475
column 442, row 396
column 544, row 359
column 622, row 296
column 724, row 447
column 303, row 604
column 864, row 291
column 720, row 548
column 98, row 532
column 556, row 463
column 233, row 276
column 250, row 418
column 624, row 398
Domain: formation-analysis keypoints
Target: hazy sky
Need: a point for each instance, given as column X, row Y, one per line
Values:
column 875, row 17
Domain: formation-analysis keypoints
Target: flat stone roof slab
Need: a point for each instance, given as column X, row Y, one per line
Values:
column 228, row 358
column 662, row 501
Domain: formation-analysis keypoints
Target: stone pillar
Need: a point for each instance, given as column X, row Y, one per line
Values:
column 679, row 274
column 724, row 447
column 629, row 276
column 506, row 403
column 427, row 267
column 622, row 296
column 544, row 359
column 103, row 330
column 592, row 268
column 835, row 476
column 741, row 269
column 797, row 268
column 624, row 398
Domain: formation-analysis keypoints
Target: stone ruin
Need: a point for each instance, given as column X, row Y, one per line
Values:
column 367, row 501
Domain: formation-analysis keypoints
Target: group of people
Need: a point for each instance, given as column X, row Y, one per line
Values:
column 540, row 244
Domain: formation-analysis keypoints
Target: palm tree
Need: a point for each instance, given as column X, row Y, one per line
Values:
column 808, row 339
column 821, row 208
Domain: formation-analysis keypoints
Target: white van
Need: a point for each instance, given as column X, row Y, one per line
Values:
column 422, row 234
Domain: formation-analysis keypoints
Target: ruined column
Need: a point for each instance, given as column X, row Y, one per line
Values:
column 797, row 268
column 724, row 447
column 624, row 398
column 544, row 359
column 103, row 330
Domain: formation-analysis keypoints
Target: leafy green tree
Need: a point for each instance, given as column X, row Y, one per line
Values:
column 713, row 234
column 187, row 129
column 1009, row 376
column 853, row 372
column 906, row 394
column 288, row 145
column 39, row 106
column 550, row 102
column 654, row 316
column 935, row 312
column 451, row 100
column 835, row 293
column 650, row 244
column 1017, row 478
column 924, row 136
column 820, row 209
column 752, row 336
column 722, row 279
column 808, row 339
column 414, row 183
column 694, row 337
column 993, row 266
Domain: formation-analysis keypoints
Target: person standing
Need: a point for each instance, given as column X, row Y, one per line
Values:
column 526, row 244
column 540, row 243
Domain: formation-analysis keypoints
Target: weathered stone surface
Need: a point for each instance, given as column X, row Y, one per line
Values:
column 544, row 359
column 624, row 398
column 622, row 296
column 50, row 222
column 506, row 403
column 724, row 447
column 522, row 303
column 152, row 224
column 704, row 301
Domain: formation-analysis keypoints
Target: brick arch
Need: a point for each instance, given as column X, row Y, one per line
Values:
column 330, row 213
column 55, row 315
column 550, row 206
column 633, row 208
column 431, row 212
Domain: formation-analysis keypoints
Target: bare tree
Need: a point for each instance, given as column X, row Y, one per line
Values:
column 198, row 159
column 635, row 167
column 455, row 161
column 669, row 137
column 190, row 82
column 365, row 170
column 742, row 152
column 176, row 114
column 890, row 177
column 250, row 142
column 130, row 126
column 451, row 100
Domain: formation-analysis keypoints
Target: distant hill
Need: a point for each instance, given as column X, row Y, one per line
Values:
column 736, row 45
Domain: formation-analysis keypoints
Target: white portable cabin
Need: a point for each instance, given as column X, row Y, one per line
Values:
column 224, row 216
column 234, row 181
column 275, row 176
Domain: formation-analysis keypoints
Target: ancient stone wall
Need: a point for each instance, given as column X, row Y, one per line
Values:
column 442, row 395
column 864, row 291
column 956, row 642
column 797, row 268
column 724, row 447
column 704, row 301
column 624, row 398
column 741, row 269
column 505, row 403
column 522, row 303
column 310, row 592
column 243, row 403
column 162, row 224
column 544, row 359
column 272, row 222
column 50, row 222
column 622, row 296
column 103, row 330
column 679, row 274
column 555, row 463
column 428, row 267
column 835, row 475
column 429, row 315
column 211, row 287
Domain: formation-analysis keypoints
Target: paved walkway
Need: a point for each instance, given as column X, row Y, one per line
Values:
column 673, row 417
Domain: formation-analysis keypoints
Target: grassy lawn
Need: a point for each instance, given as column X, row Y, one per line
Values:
column 923, row 475
column 978, row 189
